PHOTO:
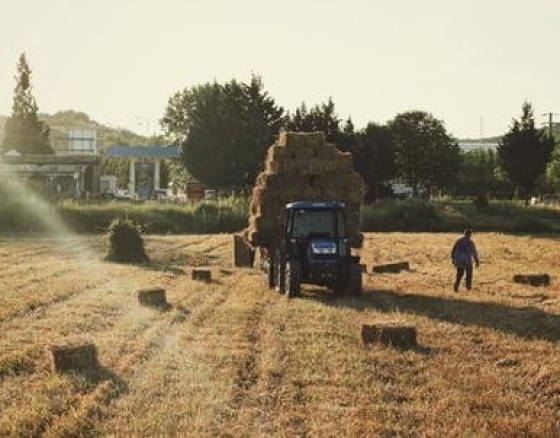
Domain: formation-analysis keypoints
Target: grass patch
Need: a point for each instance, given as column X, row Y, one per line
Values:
column 231, row 215
column 455, row 216
column 234, row 356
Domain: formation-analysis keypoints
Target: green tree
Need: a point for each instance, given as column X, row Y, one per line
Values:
column 425, row 154
column 24, row 132
column 375, row 158
column 524, row 152
column 553, row 170
column 224, row 130
column 478, row 175
column 323, row 118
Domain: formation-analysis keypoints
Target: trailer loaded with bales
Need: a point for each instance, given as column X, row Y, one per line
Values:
column 305, row 216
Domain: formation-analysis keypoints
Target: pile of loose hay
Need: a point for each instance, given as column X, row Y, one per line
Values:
column 125, row 243
column 303, row 167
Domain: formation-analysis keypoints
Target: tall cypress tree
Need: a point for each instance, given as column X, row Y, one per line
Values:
column 24, row 132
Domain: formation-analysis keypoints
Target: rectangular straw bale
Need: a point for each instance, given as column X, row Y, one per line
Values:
column 276, row 153
column 260, row 238
column 260, row 195
column 254, row 208
column 272, row 181
column 152, row 296
column 266, row 221
column 356, row 239
column 532, row 279
column 276, row 166
column 288, row 166
column 326, row 180
column 391, row 334
column 349, row 181
column 242, row 253
column 204, row 275
column 327, row 151
column 353, row 198
column 291, row 139
column 392, row 268
column 72, row 354
column 324, row 166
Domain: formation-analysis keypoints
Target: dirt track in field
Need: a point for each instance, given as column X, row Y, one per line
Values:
column 232, row 358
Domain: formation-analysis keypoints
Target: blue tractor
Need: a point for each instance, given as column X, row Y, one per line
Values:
column 314, row 249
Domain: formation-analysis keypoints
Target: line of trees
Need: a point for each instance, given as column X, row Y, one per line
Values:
column 225, row 129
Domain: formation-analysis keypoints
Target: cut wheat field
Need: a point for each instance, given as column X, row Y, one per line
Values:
column 232, row 358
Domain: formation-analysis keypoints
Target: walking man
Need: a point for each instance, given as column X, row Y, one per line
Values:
column 462, row 255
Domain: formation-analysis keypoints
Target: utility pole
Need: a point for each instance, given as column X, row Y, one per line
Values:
column 550, row 122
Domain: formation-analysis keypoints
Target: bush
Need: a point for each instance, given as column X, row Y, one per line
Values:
column 480, row 202
column 412, row 215
column 125, row 243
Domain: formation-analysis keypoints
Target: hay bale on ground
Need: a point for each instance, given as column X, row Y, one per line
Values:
column 72, row 354
column 202, row 275
column 153, row 296
column 243, row 254
column 393, row 268
column 391, row 334
column 532, row 279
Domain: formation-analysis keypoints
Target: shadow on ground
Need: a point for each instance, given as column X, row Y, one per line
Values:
column 526, row 322
column 96, row 375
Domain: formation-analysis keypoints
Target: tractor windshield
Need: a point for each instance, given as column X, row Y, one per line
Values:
column 317, row 222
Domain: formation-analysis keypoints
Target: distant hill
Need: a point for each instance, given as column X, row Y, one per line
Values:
column 62, row 122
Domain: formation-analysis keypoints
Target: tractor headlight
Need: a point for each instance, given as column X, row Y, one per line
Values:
column 324, row 248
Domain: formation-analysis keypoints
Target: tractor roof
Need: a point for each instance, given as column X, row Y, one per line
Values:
column 306, row 205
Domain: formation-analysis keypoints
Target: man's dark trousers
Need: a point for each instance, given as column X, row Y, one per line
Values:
column 461, row 270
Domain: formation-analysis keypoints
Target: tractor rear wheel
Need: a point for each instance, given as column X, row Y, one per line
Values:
column 279, row 269
column 341, row 282
column 293, row 278
column 354, row 279
column 271, row 273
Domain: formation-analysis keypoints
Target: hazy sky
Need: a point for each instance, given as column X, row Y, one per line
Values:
column 470, row 63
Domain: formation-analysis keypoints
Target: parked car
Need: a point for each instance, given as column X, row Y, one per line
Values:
column 210, row 195
column 161, row 195
column 122, row 194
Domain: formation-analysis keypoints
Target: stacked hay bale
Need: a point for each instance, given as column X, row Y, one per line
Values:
column 303, row 167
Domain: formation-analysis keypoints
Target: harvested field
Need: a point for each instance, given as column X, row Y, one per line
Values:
column 231, row 358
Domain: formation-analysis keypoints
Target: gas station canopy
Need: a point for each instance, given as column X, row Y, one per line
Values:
column 154, row 152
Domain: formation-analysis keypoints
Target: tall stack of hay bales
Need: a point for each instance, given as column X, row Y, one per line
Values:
column 303, row 167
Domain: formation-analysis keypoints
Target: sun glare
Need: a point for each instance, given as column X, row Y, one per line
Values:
column 42, row 215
